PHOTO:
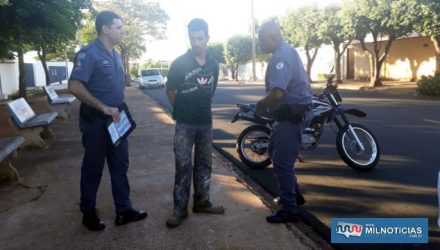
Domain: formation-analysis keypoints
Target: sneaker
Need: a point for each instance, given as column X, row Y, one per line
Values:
column 92, row 221
column 129, row 216
column 207, row 207
column 175, row 219
column 282, row 217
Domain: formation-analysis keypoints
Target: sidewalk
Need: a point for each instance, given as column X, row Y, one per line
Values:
column 41, row 211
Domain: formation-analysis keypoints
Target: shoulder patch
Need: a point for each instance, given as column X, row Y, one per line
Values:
column 81, row 55
column 279, row 65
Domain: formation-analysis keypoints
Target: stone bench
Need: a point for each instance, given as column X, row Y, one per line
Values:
column 34, row 128
column 59, row 104
column 8, row 149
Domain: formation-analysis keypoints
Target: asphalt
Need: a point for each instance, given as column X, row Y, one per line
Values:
column 40, row 211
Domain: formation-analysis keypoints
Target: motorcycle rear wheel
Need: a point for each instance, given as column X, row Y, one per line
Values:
column 352, row 154
column 251, row 149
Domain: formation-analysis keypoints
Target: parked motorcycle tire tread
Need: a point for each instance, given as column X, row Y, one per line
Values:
column 346, row 159
column 252, row 164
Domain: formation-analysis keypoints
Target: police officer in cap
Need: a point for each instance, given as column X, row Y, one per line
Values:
column 97, row 80
column 288, row 97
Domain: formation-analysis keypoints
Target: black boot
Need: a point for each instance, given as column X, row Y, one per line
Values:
column 92, row 221
column 282, row 217
column 129, row 216
column 299, row 200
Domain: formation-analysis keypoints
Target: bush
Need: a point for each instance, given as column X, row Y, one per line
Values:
column 429, row 86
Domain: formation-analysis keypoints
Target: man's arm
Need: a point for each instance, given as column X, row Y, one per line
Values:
column 269, row 100
column 171, row 94
column 77, row 88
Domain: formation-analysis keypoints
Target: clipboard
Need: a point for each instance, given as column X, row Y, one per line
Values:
column 121, row 130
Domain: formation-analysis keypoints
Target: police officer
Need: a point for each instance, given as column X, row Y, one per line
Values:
column 97, row 80
column 288, row 97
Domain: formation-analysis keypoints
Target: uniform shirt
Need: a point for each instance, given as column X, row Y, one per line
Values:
column 286, row 71
column 195, row 86
column 101, row 72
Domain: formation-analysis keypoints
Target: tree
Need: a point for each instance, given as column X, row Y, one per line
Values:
column 141, row 20
column 58, row 31
column 301, row 29
column 383, row 20
column 429, row 25
column 238, row 51
column 216, row 50
column 335, row 30
column 28, row 24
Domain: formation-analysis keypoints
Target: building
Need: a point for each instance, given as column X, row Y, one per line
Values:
column 409, row 58
column 34, row 71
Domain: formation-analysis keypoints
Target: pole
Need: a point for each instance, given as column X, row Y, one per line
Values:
column 254, row 77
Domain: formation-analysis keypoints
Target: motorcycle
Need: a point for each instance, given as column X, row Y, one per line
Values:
column 356, row 145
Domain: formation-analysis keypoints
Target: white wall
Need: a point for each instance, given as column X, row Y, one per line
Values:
column 40, row 78
column 323, row 63
column 9, row 73
column 9, row 77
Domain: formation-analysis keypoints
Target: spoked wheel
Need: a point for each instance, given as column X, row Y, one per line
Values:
column 252, row 146
column 362, row 157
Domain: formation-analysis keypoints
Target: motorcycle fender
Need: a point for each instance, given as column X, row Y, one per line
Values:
column 355, row 112
column 253, row 119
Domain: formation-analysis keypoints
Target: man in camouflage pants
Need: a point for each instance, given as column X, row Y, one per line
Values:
column 192, row 80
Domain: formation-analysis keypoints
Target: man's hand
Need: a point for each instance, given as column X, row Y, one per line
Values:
column 113, row 112
column 261, row 108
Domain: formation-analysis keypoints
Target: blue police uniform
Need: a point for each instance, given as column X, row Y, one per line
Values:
column 102, row 74
column 286, row 71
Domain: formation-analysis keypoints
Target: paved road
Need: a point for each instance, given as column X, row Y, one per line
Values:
column 402, row 185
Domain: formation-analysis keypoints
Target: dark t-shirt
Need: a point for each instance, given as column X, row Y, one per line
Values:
column 195, row 86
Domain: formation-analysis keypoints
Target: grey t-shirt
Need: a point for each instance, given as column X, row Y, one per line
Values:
column 286, row 71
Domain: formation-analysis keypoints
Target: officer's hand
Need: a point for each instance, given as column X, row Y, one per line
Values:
column 113, row 112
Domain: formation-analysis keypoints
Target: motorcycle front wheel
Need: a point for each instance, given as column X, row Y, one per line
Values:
column 252, row 146
column 351, row 153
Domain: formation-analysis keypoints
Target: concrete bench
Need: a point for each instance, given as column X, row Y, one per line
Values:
column 59, row 104
column 8, row 149
column 34, row 128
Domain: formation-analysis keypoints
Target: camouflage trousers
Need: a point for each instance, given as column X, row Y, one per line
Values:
column 186, row 137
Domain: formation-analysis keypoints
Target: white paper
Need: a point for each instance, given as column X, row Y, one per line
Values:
column 117, row 130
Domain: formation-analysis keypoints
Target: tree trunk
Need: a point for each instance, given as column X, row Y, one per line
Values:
column 22, row 75
column 338, row 66
column 125, row 58
column 236, row 72
column 380, row 60
column 310, row 61
column 337, row 62
column 436, row 41
column 42, row 55
column 377, row 82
